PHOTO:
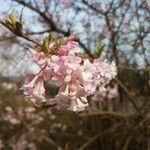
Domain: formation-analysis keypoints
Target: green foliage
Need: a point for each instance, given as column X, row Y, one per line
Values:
column 46, row 43
column 51, row 43
column 99, row 48
column 13, row 24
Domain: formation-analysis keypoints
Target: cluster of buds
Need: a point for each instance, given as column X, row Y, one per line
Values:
column 76, row 76
column 13, row 24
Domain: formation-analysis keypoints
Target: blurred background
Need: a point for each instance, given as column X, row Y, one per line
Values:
column 118, row 119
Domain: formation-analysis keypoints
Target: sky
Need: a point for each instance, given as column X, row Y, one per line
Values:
column 8, row 7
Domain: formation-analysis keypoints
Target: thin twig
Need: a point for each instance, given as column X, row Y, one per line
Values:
column 135, row 128
column 52, row 25
column 127, row 93
column 92, row 139
column 107, row 114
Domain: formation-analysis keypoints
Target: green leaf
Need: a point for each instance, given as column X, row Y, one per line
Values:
column 8, row 21
column 13, row 18
column 100, row 48
column 13, row 24
column 18, row 29
column 46, row 43
column 59, row 41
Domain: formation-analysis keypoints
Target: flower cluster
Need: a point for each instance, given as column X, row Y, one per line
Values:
column 77, row 77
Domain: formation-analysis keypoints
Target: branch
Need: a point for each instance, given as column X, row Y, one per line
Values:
column 93, row 8
column 127, row 93
column 6, row 38
column 24, row 36
column 51, row 23
column 107, row 114
column 92, row 139
column 131, row 133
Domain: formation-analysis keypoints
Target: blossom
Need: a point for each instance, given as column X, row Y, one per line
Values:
column 69, row 47
column 38, row 56
column 71, row 38
column 112, row 93
column 76, row 77
column 71, row 103
column 78, row 104
column 88, row 70
column 35, row 90
column 105, row 71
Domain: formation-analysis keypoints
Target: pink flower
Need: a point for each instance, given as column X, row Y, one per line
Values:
column 76, row 77
column 69, row 47
column 69, row 39
column 105, row 71
column 73, row 104
column 87, row 70
column 72, row 62
column 35, row 90
column 39, row 57
column 62, row 51
column 112, row 93
column 64, row 69
column 78, row 104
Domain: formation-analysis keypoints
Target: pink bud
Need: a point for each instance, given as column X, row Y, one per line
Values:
column 72, row 37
